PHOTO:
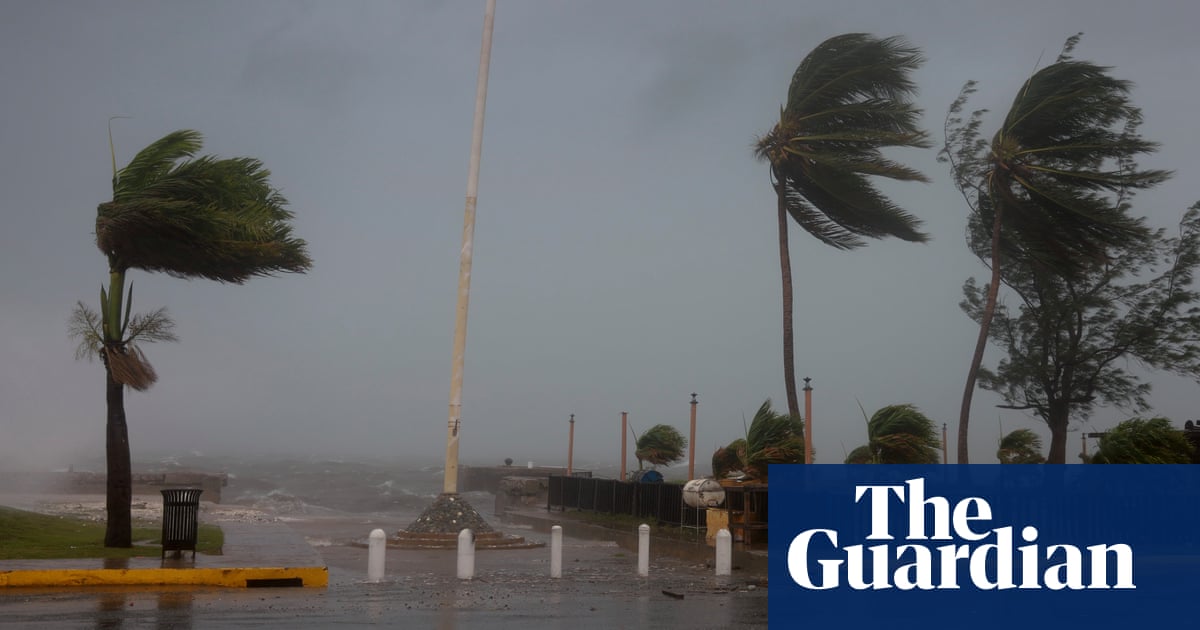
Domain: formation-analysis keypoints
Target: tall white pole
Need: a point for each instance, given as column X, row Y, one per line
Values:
column 450, row 483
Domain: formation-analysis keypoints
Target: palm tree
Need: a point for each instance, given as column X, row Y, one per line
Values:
column 1051, row 185
column 849, row 98
column 771, row 438
column 660, row 445
column 190, row 218
column 1020, row 447
column 898, row 434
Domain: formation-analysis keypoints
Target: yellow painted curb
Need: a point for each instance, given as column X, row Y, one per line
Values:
column 232, row 577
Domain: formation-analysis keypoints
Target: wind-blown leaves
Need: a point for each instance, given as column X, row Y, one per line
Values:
column 1139, row 441
column 771, row 438
column 1021, row 446
column 849, row 98
column 1061, row 168
column 898, row 434
column 205, row 217
column 660, row 445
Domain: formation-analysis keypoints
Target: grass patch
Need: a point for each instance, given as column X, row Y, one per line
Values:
column 32, row 536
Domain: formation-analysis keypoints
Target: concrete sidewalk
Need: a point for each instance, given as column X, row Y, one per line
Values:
column 254, row 554
column 750, row 561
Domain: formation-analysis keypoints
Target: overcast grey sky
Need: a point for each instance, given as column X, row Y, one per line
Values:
column 625, row 251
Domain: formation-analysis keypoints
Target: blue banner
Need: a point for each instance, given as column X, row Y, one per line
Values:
column 1018, row 547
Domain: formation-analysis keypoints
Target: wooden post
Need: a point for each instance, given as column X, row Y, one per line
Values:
column 624, row 448
column 571, row 446
column 692, row 443
column 808, row 423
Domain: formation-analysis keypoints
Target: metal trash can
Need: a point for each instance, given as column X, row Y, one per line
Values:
column 180, row 523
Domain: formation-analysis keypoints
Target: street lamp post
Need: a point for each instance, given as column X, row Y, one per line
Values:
column 692, row 443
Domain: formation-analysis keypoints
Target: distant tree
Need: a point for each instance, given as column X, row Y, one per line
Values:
column 1050, row 186
column 1071, row 339
column 1138, row 441
column 189, row 218
column 848, row 99
column 1021, row 447
column 898, row 434
column 660, row 445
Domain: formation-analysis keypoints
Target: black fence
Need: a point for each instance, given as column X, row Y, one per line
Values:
column 662, row 502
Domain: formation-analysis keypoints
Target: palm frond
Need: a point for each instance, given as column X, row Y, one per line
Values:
column 1062, row 165
column 84, row 328
column 151, row 327
column 202, row 218
column 153, row 161
column 898, row 434
column 773, row 438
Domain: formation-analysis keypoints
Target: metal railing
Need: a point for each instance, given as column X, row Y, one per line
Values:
column 662, row 502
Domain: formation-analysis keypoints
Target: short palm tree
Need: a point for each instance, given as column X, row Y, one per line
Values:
column 771, row 438
column 190, row 218
column 1051, row 185
column 848, row 99
column 898, row 434
column 660, row 445
column 1021, row 446
column 1139, row 441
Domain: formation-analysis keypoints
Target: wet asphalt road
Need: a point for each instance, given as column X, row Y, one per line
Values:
column 599, row 589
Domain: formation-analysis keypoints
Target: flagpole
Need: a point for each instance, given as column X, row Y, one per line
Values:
column 454, row 424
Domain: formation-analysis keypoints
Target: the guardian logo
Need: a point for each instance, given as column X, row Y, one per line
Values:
column 973, row 554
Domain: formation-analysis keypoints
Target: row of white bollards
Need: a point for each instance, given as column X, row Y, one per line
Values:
column 466, row 553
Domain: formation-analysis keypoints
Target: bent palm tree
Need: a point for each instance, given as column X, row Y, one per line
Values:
column 190, row 218
column 660, row 445
column 848, row 99
column 1052, row 184
column 898, row 434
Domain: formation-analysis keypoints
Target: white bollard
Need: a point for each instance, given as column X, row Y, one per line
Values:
column 466, row 554
column 643, row 550
column 724, row 552
column 375, row 555
column 556, row 551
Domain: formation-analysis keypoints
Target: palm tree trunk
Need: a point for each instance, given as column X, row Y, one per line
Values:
column 118, row 532
column 985, row 325
column 785, row 267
